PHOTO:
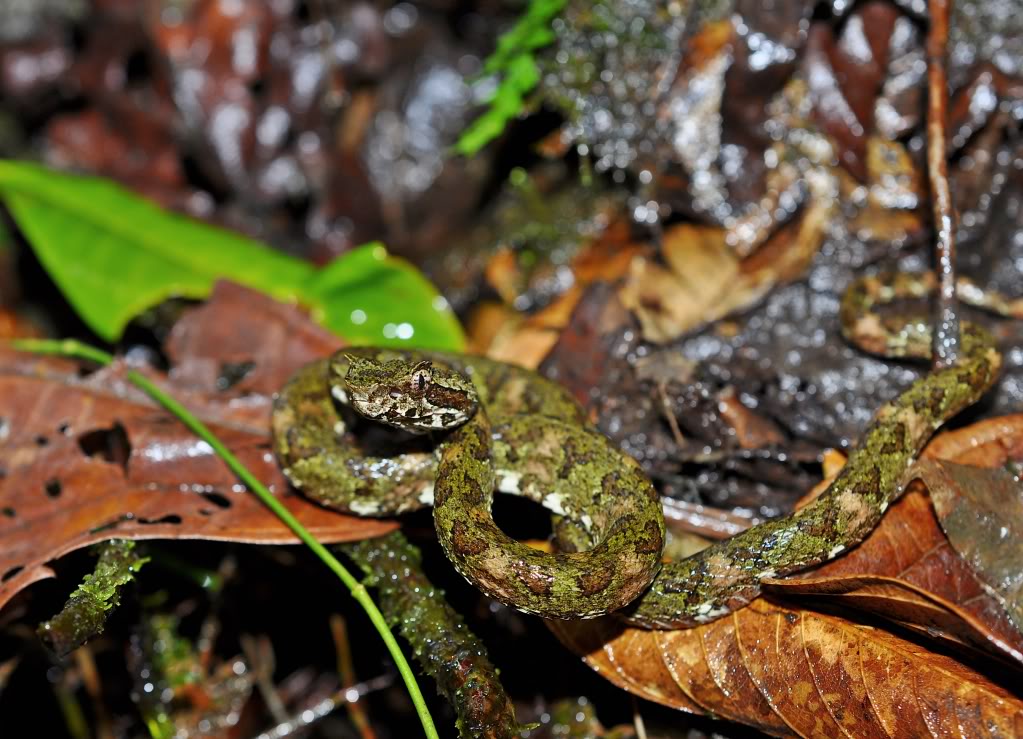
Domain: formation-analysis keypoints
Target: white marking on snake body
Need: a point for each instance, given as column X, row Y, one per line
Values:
column 362, row 508
column 508, row 482
column 586, row 521
column 552, row 502
column 768, row 573
column 710, row 614
column 884, row 506
column 339, row 392
column 836, row 551
column 426, row 495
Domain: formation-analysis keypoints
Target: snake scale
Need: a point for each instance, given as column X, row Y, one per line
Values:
column 471, row 425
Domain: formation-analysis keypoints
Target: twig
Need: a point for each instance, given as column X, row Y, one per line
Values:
column 345, row 668
column 676, row 432
column 259, row 652
column 327, row 705
column 92, row 682
column 945, row 340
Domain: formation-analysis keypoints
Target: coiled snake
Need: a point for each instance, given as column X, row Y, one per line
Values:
column 496, row 425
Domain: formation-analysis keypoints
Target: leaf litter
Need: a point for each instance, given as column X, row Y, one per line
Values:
column 735, row 413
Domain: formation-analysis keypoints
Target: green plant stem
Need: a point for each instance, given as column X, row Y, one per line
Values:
column 79, row 350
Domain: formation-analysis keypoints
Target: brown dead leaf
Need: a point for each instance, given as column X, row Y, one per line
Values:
column 84, row 459
column 701, row 272
column 796, row 672
column 526, row 341
column 705, row 280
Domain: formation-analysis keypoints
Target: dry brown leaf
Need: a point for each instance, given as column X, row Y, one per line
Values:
column 705, row 280
column 701, row 273
column 508, row 336
column 796, row 672
column 84, row 459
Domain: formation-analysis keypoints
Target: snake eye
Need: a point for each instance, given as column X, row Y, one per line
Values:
column 421, row 375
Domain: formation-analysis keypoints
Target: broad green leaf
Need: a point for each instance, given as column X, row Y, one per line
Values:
column 371, row 297
column 114, row 254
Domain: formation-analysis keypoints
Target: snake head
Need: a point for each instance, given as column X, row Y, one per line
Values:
column 418, row 397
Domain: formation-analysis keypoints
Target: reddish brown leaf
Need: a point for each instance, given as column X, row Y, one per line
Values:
column 846, row 74
column 789, row 671
column 84, row 459
column 605, row 643
column 795, row 672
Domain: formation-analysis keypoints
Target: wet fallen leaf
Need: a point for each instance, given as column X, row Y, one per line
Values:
column 88, row 458
column 981, row 512
column 845, row 83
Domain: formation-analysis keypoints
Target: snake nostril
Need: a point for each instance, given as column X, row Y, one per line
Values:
column 410, row 413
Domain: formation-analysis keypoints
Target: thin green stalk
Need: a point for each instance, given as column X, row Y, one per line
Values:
column 77, row 349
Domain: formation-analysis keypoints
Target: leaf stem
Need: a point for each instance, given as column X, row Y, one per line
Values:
column 80, row 350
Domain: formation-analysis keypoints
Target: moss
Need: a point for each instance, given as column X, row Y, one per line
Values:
column 86, row 611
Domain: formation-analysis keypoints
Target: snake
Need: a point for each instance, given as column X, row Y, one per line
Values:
column 465, row 427
column 447, row 429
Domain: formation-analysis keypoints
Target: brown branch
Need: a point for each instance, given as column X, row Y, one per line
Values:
column 945, row 341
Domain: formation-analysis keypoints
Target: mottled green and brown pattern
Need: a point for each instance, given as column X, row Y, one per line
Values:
column 526, row 437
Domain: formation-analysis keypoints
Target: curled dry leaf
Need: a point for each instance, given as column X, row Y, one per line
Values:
column 84, row 459
column 705, row 280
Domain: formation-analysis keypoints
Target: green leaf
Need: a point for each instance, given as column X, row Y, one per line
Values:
column 114, row 254
column 513, row 60
column 507, row 103
column 371, row 297
column 530, row 32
